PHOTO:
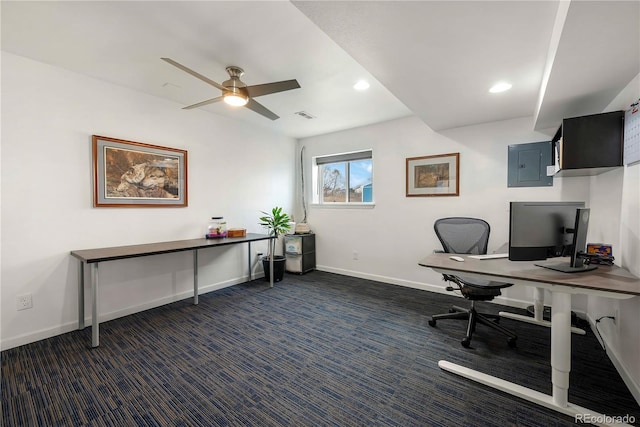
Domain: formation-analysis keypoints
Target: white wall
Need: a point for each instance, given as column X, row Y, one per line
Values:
column 48, row 117
column 615, row 198
column 393, row 236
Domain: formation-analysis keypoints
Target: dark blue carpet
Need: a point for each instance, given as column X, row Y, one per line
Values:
column 316, row 350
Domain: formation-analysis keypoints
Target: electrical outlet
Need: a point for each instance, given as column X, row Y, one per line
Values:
column 24, row 302
column 356, row 255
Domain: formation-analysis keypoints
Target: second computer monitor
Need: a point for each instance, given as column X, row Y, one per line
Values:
column 541, row 230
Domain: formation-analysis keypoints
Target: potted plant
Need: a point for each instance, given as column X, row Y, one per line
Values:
column 277, row 222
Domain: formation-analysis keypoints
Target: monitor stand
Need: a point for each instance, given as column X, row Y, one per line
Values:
column 565, row 267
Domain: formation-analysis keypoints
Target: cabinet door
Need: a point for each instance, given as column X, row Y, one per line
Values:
column 592, row 141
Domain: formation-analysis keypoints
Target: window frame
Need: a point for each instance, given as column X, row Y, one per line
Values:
column 346, row 158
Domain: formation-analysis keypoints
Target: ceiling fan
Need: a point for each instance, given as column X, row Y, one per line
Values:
column 236, row 92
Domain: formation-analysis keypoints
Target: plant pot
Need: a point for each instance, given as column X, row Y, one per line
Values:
column 278, row 267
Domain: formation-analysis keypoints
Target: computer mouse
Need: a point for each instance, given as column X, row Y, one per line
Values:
column 456, row 258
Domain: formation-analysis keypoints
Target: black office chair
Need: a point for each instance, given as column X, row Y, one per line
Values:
column 469, row 236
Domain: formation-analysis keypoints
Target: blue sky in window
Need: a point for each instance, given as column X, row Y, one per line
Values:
column 360, row 172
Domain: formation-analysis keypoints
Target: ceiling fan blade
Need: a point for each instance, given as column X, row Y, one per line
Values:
column 261, row 109
column 193, row 73
column 267, row 88
column 200, row 104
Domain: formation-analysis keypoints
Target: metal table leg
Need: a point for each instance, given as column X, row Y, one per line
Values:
column 249, row 261
column 195, row 277
column 95, row 324
column 81, row 296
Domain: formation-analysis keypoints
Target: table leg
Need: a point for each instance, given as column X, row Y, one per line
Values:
column 81, row 296
column 273, row 254
column 249, row 261
column 538, row 313
column 538, row 304
column 95, row 324
column 195, row 277
column 560, row 346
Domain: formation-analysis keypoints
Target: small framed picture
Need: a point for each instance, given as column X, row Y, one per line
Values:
column 437, row 175
column 133, row 174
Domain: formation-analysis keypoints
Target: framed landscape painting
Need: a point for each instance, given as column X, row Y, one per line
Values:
column 134, row 174
column 433, row 175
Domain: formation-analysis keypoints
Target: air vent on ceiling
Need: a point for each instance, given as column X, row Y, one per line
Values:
column 304, row 114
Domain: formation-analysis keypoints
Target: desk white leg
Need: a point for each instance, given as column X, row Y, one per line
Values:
column 81, row 296
column 560, row 346
column 538, row 304
column 524, row 393
column 95, row 323
column 195, row 277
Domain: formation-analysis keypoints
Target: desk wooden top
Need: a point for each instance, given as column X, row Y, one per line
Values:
column 122, row 252
column 604, row 278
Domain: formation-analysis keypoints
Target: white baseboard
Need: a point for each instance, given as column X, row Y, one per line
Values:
column 64, row 328
column 384, row 279
column 440, row 289
column 615, row 358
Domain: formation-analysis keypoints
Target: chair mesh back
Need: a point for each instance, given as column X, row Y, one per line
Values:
column 463, row 235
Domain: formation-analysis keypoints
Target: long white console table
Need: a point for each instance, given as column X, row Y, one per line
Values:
column 93, row 257
column 606, row 281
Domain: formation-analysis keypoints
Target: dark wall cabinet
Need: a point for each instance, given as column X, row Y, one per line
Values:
column 589, row 145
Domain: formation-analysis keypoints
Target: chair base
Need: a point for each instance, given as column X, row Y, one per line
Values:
column 473, row 317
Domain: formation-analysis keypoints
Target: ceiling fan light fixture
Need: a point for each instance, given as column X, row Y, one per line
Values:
column 235, row 99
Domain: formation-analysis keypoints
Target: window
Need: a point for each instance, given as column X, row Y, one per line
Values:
column 345, row 178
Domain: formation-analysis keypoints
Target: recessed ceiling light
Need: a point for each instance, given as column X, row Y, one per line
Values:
column 361, row 85
column 500, row 87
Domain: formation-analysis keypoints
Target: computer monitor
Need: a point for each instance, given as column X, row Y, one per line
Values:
column 541, row 230
column 579, row 245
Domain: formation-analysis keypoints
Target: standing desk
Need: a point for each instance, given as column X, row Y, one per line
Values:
column 93, row 257
column 606, row 281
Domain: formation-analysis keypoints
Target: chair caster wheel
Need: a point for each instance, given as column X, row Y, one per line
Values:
column 512, row 342
column 466, row 342
column 432, row 322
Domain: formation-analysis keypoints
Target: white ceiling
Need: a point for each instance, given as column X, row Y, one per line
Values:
column 432, row 59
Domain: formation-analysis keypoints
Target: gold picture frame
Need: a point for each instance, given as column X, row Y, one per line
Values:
column 433, row 176
column 134, row 174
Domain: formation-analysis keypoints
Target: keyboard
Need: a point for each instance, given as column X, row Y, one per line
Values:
column 489, row 256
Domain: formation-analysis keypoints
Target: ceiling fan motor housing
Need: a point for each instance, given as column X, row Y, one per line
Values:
column 234, row 85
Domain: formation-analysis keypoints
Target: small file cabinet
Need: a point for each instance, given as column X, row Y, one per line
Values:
column 300, row 251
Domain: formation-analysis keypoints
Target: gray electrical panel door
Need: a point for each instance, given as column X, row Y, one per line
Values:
column 527, row 165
